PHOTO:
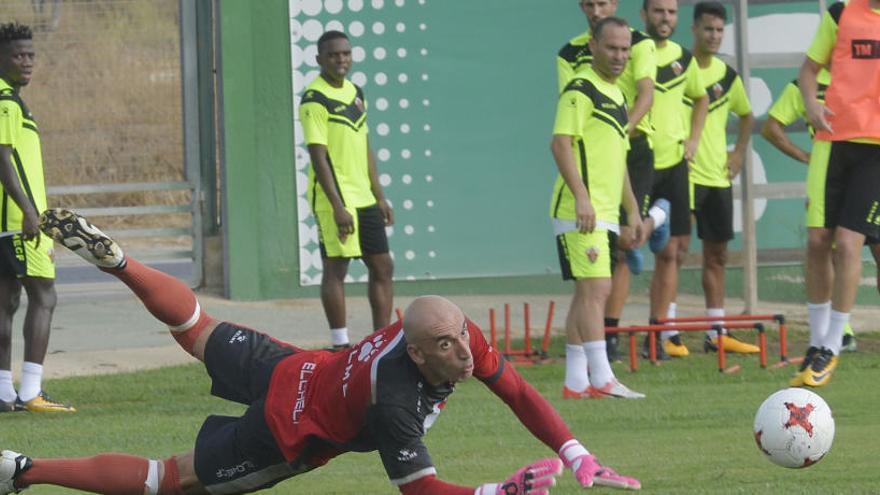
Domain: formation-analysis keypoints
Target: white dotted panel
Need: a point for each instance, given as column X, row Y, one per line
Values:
column 383, row 129
column 333, row 6
column 355, row 5
column 356, row 29
column 380, row 78
column 379, row 53
column 311, row 7
column 378, row 28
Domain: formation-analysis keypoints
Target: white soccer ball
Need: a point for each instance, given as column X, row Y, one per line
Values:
column 794, row 428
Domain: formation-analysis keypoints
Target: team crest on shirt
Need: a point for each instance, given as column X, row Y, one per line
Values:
column 592, row 254
column 717, row 90
column 359, row 103
column 677, row 68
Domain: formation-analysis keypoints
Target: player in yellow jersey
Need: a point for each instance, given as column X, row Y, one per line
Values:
column 637, row 84
column 344, row 191
column 674, row 147
column 788, row 109
column 26, row 256
column 590, row 146
column 848, row 43
column 713, row 167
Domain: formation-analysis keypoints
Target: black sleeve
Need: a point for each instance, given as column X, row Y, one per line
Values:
column 399, row 431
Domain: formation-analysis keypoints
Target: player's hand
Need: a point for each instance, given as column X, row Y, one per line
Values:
column 30, row 225
column 634, row 222
column 586, row 215
column 344, row 223
column 387, row 212
column 817, row 114
column 534, row 479
column 588, row 472
column 690, row 149
column 734, row 164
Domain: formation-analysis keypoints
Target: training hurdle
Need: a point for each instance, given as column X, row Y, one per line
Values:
column 778, row 318
column 652, row 330
column 526, row 355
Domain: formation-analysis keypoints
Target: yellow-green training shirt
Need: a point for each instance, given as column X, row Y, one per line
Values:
column 576, row 56
column 677, row 76
column 19, row 130
column 337, row 119
column 593, row 111
column 789, row 107
column 726, row 94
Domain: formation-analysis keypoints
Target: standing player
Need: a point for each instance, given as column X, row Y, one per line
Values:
column 307, row 407
column 26, row 257
column 674, row 148
column 850, row 46
column 714, row 167
column 589, row 146
column 344, row 191
column 637, row 84
column 787, row 109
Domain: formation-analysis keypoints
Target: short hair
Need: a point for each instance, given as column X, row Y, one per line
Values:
column 329, row 36
column 600, row 26
column 714, row 9
column 13, row 31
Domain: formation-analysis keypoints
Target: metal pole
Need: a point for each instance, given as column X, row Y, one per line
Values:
column 749, row 240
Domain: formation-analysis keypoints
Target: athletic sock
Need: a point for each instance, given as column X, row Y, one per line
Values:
column 576, row 368
column 819, row 317
column 110, row 474
column 31, row 381
column 670, row 313
column 339, row 336
column 658, row 215
column 169, row 300
column 7, row 389
column 597, row 363
column 715, row 313
column 834, row 338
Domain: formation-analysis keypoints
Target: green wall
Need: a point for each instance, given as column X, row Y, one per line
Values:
column 257, row 136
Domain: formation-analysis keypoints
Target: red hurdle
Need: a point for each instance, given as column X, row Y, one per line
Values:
column 526, row 355
column 778, row 318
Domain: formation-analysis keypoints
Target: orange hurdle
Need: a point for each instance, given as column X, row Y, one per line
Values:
column 778, row 318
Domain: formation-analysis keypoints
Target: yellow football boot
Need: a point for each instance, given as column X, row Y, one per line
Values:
column 43, row 403
column 819, row 372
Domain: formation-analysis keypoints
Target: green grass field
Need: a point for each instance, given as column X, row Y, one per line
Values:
column 693, row 434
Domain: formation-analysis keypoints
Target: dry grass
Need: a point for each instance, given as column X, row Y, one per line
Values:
column 106, row 94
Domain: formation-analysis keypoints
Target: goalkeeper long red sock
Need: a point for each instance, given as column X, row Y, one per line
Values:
column 167, row 299
column 110, row 474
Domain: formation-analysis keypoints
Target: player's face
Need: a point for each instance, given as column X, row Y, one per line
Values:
column 596, row 10
column 17, row 62
column 611, row 51
column 334, row 58
column 708, row 32
column 446, row 354
column 660, row 18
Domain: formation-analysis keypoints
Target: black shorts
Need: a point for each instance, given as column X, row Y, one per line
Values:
column 240, row 454
column 852, row 188
column 713, row 210
column 672, row 183
column 370, row 232
column 640, row 165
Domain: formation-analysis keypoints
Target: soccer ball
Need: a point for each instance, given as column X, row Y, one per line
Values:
column 794, row 428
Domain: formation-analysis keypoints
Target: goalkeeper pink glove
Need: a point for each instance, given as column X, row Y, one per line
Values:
column 533, row 479
column 588, row 472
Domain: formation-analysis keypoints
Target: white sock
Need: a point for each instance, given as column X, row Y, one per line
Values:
column 834, row 337
column 670, row 313
column 31, row 378
column 597, row 363
column 7, row 389
column 339, row 336
column 714, row 313
column 576, row 368
column 658, row 215
column 819, row 317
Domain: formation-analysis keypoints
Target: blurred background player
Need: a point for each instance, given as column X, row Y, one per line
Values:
column 26, row 257
column 344, row 191
column 713, row 168
column 847, row 42
column 589, row 146
column 637, row 84
column 818, row 272
column 674, row 148
column 381, row 395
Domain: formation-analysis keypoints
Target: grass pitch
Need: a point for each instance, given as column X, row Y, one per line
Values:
column 693, row 434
